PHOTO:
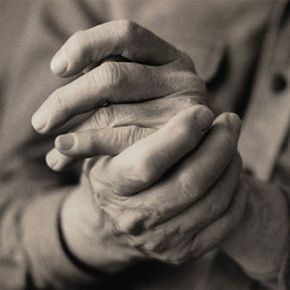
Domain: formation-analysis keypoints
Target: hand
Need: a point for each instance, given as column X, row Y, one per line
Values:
column 153, row 82
column 151, row 202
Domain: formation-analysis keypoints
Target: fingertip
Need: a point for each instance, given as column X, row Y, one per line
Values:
column 203, row 116
column 231, row 122
column 39, row 121
column 52, row 160
column 59, row 64
column 56, row 161
column 235, row 123
column 65, row 142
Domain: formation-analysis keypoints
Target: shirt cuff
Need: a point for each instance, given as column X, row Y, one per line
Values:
column 50, row 267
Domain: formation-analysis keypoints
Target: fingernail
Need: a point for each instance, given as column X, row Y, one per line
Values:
column 204, row 118
column 59, row 63
column 39, row 120
column 235, row 123
column 52, row 160
column 65, row 142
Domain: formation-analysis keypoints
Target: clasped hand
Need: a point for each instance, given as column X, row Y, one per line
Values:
column 166, row 180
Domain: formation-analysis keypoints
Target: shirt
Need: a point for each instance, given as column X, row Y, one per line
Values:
column 240, row 49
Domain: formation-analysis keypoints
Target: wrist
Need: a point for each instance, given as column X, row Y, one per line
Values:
column 71, row 235
column 87, row 238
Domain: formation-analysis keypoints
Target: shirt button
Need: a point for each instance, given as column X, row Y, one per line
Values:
column 279, row 83
column 249, row 171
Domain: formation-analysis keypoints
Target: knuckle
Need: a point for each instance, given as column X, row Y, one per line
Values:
column 195, row 85
column 197, row 249
column 178, row 261
column 187, row 102
column 155, row 246
column 187, row 119
column 91, row 143
column 187, row 61
column 131, row 225
column 103, row 118
column 192, row 182
column 190, row 185
column 175, row 257
column 129, row 29
column 144, row 172
column 135, row 133
column 111, row 74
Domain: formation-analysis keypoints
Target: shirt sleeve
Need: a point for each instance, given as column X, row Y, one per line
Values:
column 279, row 279
column 31, row 254
column 260, row 243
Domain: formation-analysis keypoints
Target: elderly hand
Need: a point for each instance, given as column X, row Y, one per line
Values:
column 151, row 84
column 171, row 196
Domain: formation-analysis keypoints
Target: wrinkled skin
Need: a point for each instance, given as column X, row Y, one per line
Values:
column 165, row 184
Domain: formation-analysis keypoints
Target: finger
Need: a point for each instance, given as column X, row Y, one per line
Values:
column 191, row 221
column 112, row 82
column 193, row 244
column 211, row 158
column 91, row 66
column 215, row 233
column 206, row 210
column 58, row 161
column 83, row 144
column 143, row 163
column 193, row 216
column 72, row 147
column 110, row 141
column 191, row 178
column 149, row 114
column 120, row 37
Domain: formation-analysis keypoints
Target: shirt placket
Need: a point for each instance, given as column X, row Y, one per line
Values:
column 267, row 119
